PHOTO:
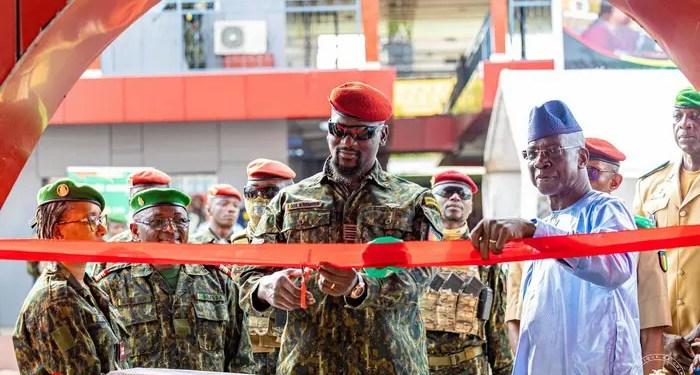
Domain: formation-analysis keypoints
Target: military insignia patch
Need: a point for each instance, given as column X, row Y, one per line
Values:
column 62, row 190
column 141, row 202
column 303, row 205
column 63, row 338
column 663, row 260
column 431, row 202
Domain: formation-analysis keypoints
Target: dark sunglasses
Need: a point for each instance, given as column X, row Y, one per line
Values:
column 358, row 133
column 264, row 192
column 594, row 173
column 446, row 191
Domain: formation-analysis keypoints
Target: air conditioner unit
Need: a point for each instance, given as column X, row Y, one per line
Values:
column 240, row 37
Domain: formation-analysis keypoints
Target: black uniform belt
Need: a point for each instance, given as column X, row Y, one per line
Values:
column 456, row 358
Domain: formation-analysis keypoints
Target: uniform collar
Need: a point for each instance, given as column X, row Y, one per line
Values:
column 376, row 175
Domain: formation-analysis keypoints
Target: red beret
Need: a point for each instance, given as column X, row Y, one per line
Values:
column 361, row 101
column 260, row 169
column 149, row 176
column 602, row 149
column 455, row 176
column 224, row 190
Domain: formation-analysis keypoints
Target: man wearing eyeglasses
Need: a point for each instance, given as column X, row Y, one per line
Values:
column 654, row 314
column 464, row 306
column 354, row 323
column 67, row 324
column 223, row 207
column 579, row 315
column 669, row 195
column 178, row 316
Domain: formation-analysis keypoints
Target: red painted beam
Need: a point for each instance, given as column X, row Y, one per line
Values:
column 274, row 94
column 8, row 37
column 34, row 16
column 58, row 55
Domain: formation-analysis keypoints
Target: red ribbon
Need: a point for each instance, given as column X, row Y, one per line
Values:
column 405, row 254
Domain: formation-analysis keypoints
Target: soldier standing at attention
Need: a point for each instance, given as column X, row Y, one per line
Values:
column 265, row 179
column 464, row 307
column 67, row 324
column 354, row 324
column 223, row 207
column 178, row 316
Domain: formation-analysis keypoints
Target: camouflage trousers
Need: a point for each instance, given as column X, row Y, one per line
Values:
column 474, row 366
column 267, row 362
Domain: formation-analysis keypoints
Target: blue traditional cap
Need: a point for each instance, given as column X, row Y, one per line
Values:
column 551, row 118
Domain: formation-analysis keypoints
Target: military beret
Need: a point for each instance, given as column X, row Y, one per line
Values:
column 149, row 176
column 551, row 118
column 454, row 176
column 604, row 150
column 261, row 169
column 361, row 101
column 224, row 190
column 66, row 189
column 158, row 197
column 688, row 98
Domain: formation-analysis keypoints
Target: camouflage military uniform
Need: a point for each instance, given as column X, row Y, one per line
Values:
column 197, row 326
column 461, row 342
column 265, row 328
column 206, row 235
column 383, row 334
column 95, row 269
column 68, row 329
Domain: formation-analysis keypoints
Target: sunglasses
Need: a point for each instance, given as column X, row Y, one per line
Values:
column 358, row 133
column 446, row 191
column 264, row 192
column 594, row 173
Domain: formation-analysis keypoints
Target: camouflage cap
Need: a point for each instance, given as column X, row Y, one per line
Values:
column 66, row 189
column 158, row 197
column 688, row 98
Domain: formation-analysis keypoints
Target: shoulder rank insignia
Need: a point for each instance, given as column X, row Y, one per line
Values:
column 651, row 172
column 429, row 201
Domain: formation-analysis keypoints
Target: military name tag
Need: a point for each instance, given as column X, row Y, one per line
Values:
column 303, row 205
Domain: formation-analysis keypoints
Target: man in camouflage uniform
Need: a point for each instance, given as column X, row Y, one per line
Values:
column 66, row 324
column 223, row 207
column 353, row 324
column 178, row 316
column 464, row 307
column 140, row 180
column 265, row 179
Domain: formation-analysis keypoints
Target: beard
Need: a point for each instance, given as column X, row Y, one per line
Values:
column 345, row 173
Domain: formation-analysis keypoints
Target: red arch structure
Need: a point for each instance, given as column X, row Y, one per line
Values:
column 45, row 45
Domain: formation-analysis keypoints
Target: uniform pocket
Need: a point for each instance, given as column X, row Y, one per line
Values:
column 307, row 226
column 382, row 221
column 656, row 208
column 212, row 316
column 140, row 316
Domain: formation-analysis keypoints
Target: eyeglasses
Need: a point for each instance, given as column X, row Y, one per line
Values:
column 93, row 222
column 264, row 192
column 358, row 133
column 550, row 153
column 160, row 223
column 448, row 190
column 594, row 173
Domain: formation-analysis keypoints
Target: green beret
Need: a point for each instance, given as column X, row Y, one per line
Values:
column 158, row 197
column 66, row 189
column 688, row 98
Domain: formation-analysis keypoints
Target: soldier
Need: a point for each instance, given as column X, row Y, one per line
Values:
column 464, row 307
column 265, row 179
column 354, row 324
column 140, row 180
column 178, row 316
column 223, row 207
column 670, row 196
column 67, row 324
column 654, row 314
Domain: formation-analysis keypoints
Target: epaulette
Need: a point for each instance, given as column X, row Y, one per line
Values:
column 660, row 167
column 111, row 269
